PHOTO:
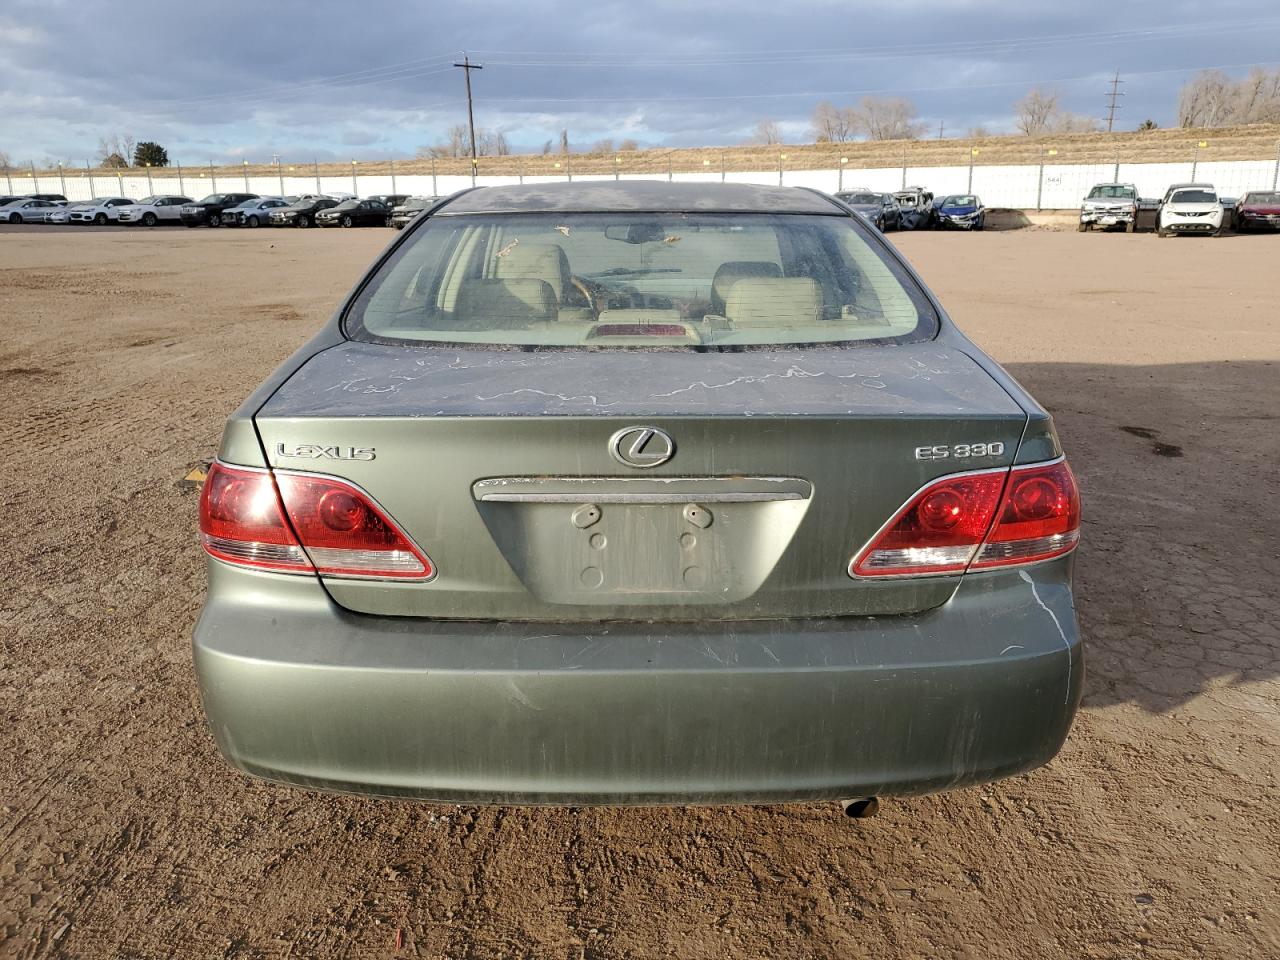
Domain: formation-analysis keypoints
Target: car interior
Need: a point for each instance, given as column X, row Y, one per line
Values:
column 671, row 278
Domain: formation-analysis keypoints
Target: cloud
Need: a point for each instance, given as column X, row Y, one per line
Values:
column 360, row 138
column 266, row 78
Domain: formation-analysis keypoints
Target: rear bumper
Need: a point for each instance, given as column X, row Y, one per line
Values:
column 298, row 690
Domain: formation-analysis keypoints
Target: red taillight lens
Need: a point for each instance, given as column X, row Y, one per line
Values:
column 345, row 533
column 242, row 522
column 333, row 527
column 978, row 520
column 938, row 531
column 1039, row 517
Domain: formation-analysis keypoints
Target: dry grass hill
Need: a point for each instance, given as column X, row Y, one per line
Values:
column 1254, row 142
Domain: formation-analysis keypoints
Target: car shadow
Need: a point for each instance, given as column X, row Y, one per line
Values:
column 1177, row 573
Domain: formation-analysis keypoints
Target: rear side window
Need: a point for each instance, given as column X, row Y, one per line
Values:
column 691, row 281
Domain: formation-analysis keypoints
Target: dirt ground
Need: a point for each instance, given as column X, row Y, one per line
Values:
column 1155, row 833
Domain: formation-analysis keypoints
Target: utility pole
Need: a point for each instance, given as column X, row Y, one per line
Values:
column 467, row 66
column 1113, row 97
column 941, row 126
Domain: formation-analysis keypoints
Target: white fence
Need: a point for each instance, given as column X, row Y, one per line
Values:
column 1050, row 186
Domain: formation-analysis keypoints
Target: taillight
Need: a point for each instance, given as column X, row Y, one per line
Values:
column 345, row 533
column 1039, row 517
column 333, row 528
column 978, row 520
column 937, row 531
column 242, row 521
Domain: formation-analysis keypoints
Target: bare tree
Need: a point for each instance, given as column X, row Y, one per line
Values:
column 767, row 132
column 832, row 124
column 114, row 150
column 546, row 148
column 628, row 146
column 603, row 145
column 489, row 143
column 1206, row 100
column 457, row 145
column 492, row 143
column 1147, row 124
column 564, row 141
column 1035, row 111
column 886, row 118
column 1257, row 97
column 4, row 160
column 978, row 133
column 1066, row 122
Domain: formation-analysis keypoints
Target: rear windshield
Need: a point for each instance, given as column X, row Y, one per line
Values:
column 1268, row 198
column 700, row 281
column 1194, row 196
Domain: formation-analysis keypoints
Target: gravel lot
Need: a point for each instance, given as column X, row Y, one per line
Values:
column 1156, row 832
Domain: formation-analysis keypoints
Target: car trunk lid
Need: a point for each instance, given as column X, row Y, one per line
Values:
column 532, row 482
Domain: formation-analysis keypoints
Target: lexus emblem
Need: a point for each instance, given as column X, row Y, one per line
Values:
column 642, row 447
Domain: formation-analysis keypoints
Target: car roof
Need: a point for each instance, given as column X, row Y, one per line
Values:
column 655, row 196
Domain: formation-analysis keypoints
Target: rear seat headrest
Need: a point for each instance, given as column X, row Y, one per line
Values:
column 504, row 304
column 793, row 301
column 732, row 271
column 536, row 261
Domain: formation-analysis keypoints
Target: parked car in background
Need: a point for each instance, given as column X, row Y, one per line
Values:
column 253, row 213
column 47, row 196
column 916, row 204
column 1190, row 208
column 1110, row 205
column 54, row 210
column 150, row 211
column 962, row 210
column 882, row 209
column 392, row 200
column 402, row 215
column 100, row 212
column 1258, row 210
column 208, row 212
column 301, row 213
column 354, row 213
column 26, row 210
column 600, row 576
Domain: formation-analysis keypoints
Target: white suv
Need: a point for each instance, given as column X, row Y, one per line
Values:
column 1190, row 208
column 98, row 211
column 152, row 210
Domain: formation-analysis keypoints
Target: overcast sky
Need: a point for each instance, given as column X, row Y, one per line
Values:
column 334, row 80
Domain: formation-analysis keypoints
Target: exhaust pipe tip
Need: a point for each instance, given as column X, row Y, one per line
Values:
column 862, row 808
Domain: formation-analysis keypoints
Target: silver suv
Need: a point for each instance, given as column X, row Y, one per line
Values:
column 1110, row 205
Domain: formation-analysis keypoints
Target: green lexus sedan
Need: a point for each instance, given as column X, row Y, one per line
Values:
column 639, row 493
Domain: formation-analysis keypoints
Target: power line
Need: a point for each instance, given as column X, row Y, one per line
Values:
column 316, row 84
column 424, row 66
column 880, row 90
column 1114, row 96
column 876, row 52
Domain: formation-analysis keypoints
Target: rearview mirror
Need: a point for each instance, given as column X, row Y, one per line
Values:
column 650, row 232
